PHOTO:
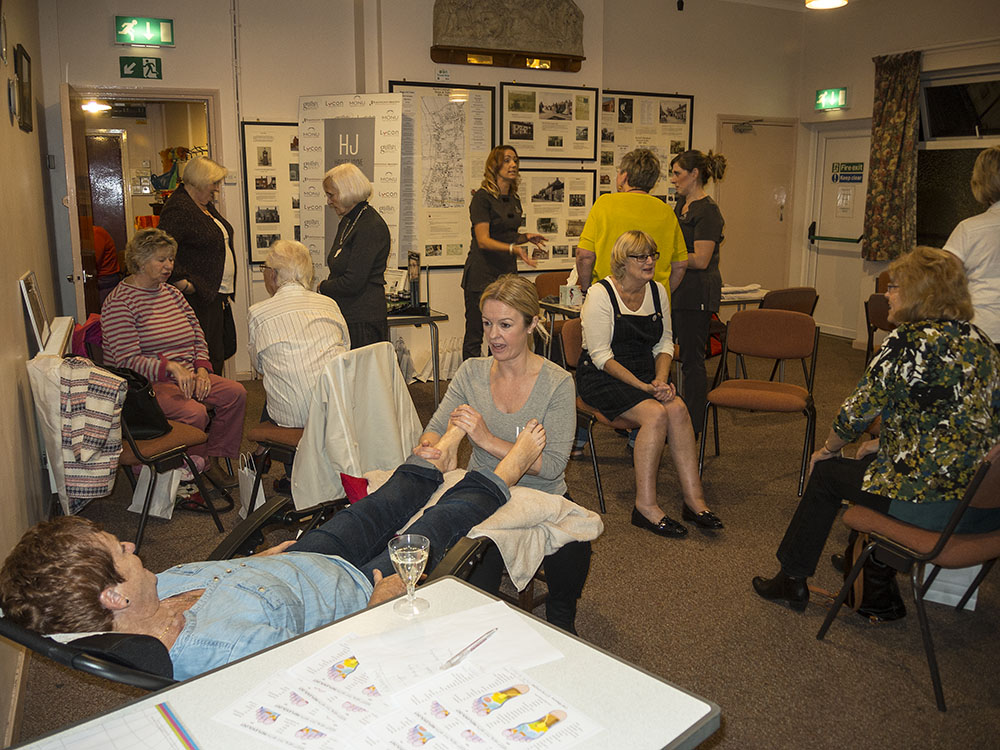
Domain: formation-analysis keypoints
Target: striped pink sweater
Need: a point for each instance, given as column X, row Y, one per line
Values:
column 144, row 328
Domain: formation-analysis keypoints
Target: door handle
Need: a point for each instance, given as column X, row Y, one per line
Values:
column 86, row 277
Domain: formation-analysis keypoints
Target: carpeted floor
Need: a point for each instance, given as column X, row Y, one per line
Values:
column 684, row 609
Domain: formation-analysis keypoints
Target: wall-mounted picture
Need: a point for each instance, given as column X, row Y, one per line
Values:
column 662, row 123
column 562, row 124
column 270, row 151
column 22, row 74
column 452, row 129
column 556, row 203
column 35, row 308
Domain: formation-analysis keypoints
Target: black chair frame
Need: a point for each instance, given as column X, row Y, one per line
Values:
column 906, row 560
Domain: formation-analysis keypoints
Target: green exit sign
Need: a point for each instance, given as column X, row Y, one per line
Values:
column 831, row 99
column 144, row 32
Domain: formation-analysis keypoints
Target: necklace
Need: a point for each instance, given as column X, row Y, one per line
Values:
column 347, row 231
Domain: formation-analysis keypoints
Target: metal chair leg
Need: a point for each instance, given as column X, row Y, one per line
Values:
column 845, row 589
column 597, row 471
column 204, row 492
column 704, row 435
column 974, row 585
column 925, row 633
column 144, row 516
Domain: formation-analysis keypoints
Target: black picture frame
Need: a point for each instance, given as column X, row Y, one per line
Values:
column 552, row 123
column 280, row 218
column 22, row 74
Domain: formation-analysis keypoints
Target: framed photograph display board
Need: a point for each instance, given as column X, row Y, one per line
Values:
column 556, row 203
column 663, row 123
column 271, row 174
column 549, row 122
column 447, row 135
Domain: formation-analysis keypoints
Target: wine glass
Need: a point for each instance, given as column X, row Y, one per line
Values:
column 408, row 553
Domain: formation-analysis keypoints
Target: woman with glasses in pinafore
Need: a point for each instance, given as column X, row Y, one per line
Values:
column 623, row 372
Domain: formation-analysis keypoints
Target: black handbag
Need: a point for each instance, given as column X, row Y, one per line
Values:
column 141, row 413
column 875, row 593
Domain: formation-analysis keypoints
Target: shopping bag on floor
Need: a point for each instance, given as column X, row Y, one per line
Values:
column 248, row 473
column 164, row 494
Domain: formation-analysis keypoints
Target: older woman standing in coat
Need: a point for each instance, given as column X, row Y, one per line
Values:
column 205, row 269
column 358, row 257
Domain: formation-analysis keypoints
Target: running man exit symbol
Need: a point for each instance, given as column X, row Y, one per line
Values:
column 141, row 67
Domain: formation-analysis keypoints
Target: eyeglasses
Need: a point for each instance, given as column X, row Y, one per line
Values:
column 646, row 256
column 268, row 268
column 890, row 287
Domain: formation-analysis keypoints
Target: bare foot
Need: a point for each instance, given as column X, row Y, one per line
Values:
column 527, row 448
column 448, row 445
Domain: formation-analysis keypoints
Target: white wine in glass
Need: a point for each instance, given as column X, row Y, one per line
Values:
column 408, row 553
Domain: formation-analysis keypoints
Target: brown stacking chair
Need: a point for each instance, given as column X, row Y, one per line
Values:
column 572, row 341
column 771, row 334
column 876, row 319
column 163, row 454
column 278, row 443
column 547, row 285
column 910, row 549
column 801, row 299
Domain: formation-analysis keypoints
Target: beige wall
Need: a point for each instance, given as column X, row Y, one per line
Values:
column 26, row 246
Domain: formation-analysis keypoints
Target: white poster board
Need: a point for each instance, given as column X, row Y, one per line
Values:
column 447, row 135
column 365, row 129
column 556, row 203
column 632, row 119
column 271, row 175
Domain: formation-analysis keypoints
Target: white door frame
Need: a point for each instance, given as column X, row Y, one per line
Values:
column 213, row 103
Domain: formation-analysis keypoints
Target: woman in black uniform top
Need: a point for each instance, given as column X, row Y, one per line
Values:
column 700, row 291
column 358, row 256
column 497, row 239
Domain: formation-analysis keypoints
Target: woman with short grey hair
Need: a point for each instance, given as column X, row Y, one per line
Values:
column 358, row 256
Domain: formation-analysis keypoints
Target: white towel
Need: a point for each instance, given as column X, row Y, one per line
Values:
column 529, row 526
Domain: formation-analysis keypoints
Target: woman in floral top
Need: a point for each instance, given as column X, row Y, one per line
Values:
column 936, row 384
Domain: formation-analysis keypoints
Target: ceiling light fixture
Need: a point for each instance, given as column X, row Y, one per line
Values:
column 95, row 106
column 824, row 4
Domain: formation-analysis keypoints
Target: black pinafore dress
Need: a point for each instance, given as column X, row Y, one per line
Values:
column 632, row 345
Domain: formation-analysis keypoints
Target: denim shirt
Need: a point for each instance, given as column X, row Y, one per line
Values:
column 252, row 603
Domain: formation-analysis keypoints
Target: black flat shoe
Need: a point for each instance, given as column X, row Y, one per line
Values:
column 706, row 519
column 666, row 527
column 783, row 589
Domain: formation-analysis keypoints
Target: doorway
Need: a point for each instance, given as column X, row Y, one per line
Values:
column 835, row 266
column 147, row 122
column 756, row 198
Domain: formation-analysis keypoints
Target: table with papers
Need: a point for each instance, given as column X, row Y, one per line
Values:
column 374, row 680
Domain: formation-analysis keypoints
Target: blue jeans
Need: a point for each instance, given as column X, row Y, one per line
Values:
column 360, row 534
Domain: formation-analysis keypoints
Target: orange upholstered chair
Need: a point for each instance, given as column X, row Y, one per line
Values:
column 771, row 334
column 910, row 549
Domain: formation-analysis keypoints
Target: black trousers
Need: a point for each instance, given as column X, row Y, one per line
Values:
column 365, row 332
column 210, row 316
column 691, row 334
column 832, row 481
column 472, row 344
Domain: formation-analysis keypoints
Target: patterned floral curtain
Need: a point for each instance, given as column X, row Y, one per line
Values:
column 891, row 203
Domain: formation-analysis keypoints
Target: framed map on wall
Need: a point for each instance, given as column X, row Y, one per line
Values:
column 556, row 203
column 447, row 135
column 662, row 123
column 550, row 122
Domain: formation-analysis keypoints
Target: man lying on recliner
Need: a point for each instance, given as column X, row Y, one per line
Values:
column 68, row 576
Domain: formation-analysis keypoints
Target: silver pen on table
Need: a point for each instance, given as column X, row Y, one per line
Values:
column 467, row 650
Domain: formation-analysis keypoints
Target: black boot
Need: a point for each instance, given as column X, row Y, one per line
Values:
column 881, row 599
column 565, row 574
column 561, row 613
column 783, row 589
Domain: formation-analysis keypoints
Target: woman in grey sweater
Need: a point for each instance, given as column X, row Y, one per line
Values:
column 491, row 398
